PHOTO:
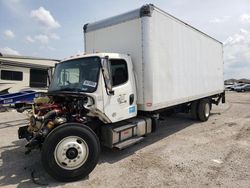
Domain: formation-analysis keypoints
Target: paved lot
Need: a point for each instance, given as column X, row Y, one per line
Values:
column 183, row 153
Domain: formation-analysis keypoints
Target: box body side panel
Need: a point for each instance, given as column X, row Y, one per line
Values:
column 173, row 62
column 180, row 63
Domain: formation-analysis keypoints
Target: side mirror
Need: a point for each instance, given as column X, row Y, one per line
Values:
column 50, row 74
column 107, row 74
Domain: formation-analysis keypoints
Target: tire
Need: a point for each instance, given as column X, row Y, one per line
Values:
column 242, row 90
column 194, row 110
column 204, row 108
column 70, row 152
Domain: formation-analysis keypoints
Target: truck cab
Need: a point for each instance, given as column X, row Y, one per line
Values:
column 91, row 100
column 107, row 77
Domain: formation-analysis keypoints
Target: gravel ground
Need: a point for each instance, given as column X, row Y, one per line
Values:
column 183, row 153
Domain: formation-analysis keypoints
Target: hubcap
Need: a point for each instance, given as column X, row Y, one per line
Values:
column 207, row 109
column 71, row 152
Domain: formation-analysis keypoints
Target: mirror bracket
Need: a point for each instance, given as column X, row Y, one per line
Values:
column 106, row 70
column 111, row 92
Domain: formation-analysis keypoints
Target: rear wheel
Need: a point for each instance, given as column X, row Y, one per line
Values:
column 194, row 109
column 204, row 108
column 70, row 152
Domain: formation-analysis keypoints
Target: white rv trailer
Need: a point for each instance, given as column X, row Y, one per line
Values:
column 19, row 73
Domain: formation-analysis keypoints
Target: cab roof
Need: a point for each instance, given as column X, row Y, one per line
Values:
column 97, row 54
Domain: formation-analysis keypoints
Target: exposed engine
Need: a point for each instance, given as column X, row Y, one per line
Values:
column 50, row 112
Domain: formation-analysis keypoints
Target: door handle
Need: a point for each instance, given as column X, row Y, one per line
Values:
column 131, row 99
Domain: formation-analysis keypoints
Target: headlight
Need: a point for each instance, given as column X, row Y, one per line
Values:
column 88, row 102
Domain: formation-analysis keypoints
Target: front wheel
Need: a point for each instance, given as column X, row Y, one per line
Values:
column 70, row 152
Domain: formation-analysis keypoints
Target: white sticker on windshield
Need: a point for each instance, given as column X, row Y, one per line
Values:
column 89, row 83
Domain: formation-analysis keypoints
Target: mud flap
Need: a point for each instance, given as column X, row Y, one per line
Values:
column 223, row 98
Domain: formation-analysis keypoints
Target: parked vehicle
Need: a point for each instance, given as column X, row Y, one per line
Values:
column 237, row 85
column 242, row 88
column 114, row 99
column 20, row 73
column 229, row 87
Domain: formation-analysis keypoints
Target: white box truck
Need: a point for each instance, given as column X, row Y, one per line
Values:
column 136, row 65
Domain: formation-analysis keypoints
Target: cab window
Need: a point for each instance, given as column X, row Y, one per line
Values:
column 119, row 71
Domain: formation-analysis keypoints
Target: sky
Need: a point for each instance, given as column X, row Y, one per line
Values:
column 53, row 28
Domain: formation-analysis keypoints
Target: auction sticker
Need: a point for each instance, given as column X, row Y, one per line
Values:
column 89, row 83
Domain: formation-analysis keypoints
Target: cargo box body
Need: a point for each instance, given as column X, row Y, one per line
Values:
column 174, row 63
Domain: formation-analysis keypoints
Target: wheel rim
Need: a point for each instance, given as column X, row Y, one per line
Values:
column 71, row 152
column 207, row 109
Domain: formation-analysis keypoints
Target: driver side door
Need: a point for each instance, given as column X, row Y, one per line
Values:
column 121, row 104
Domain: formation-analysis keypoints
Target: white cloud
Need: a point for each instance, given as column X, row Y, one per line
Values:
column 242, row 37
column 237, row 55
column 236, row 38
column 29, row 39
column 238, row 73
column 245, row 18
column 44, row 17
column 7, row 50
column 244, row 31
column 51, row 48
column 44, row 39
column 54, row 36
column 9, row 34
column 220, row 20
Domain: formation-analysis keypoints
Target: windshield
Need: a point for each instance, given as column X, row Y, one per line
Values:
column 76, row 75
